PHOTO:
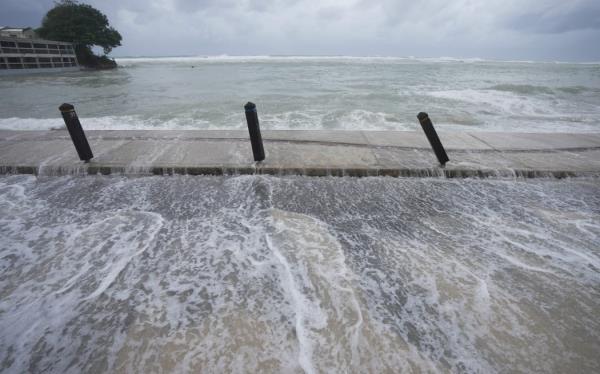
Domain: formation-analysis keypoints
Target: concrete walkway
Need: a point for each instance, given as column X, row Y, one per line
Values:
column 313, row 153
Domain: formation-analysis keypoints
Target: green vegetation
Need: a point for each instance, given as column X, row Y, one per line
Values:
column 85, row 27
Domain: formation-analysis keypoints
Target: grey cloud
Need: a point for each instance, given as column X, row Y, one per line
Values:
column 202, row 5
column 560, row 18
column 20, row 13
column 508, row 29
column 331, row 13
column 266, row 5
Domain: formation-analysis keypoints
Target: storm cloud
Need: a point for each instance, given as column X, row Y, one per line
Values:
column 495, row 29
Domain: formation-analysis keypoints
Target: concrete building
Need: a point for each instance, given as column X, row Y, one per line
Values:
column 17, row 32
column 21, row 51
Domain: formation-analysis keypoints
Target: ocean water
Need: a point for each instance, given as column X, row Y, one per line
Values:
column 349, row 93
column 295, row 274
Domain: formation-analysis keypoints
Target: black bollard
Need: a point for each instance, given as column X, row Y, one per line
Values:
column 433, row 138
column 254, row 130
column 76, row 131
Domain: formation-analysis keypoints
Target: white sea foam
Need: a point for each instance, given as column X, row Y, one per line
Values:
column 515, row 107
column 312, row 92
column 187, row 274
column 337, row 120
column 486, row 110
column 127, row 61
column 106, row 123
column 505, row 103
column 320, row 285
column 297, row 120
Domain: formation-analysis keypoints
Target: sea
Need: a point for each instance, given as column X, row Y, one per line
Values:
column 262, row 274
column 296, row 274
column 314, row 93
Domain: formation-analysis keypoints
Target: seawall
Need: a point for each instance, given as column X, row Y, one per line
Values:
column 299, row 152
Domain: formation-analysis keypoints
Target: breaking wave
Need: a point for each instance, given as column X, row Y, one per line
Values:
column 294, row 120
column 526, row 89
column 129, row 61
column 312, row 93
column 105, row 123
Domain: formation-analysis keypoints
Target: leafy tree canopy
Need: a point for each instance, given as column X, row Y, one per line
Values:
column 80, row 24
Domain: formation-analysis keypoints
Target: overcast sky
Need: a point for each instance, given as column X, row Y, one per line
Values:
column 564, row 30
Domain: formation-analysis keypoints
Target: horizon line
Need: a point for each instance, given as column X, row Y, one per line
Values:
column 439, row 58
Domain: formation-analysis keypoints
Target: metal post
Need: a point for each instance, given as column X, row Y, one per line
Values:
column 433, row 138
column 254, row 129
column 76, row 132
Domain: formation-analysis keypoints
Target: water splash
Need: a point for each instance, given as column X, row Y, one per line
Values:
column 292, row 274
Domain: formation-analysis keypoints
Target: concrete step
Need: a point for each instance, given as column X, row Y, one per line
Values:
column 313, row 153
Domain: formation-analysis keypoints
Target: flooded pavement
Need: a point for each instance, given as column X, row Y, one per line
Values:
column 298, row 274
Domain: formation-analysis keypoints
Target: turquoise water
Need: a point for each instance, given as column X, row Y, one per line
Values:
column 313, row 93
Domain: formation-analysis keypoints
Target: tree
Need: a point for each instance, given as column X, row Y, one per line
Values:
column 82, row 25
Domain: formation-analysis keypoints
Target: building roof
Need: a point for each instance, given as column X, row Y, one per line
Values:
column 9, row 28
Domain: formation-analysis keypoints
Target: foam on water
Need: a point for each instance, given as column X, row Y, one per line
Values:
column 106, row 123
column 264, row 274
column 128, row 61
column 307, row 120
column 509, row 106
column 133, row 61
column 312, row 92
